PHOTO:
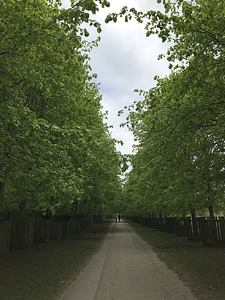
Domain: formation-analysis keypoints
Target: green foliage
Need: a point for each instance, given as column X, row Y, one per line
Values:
column 180, row 125
column 51, row 126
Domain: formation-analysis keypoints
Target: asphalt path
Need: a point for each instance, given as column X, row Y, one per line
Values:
column 126, row 268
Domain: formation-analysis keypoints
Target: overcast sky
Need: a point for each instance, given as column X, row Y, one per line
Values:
column 125, row 60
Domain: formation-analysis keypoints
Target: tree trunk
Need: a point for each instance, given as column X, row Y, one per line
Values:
column 73, row 211
column 195, row 225
column 211, row 212
column 212, row 227
column 21, row 212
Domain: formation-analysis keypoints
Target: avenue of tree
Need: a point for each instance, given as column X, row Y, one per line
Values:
column 56, row 152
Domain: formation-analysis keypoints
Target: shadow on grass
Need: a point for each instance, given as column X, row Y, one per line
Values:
column 44, row 271
column 203, row 268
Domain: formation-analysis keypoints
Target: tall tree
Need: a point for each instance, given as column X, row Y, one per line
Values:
column 50, row 111
column 180, row 124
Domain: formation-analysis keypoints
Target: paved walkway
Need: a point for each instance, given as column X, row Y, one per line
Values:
column 126, row 268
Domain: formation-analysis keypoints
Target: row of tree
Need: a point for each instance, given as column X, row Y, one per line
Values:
column 56, row 153
column 179, row 166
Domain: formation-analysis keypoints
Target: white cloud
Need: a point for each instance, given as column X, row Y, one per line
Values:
column 125, row 60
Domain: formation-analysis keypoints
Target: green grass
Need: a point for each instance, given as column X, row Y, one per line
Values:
column 45, row 270
column 202, row 267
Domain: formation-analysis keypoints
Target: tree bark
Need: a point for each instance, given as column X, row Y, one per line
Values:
column 195, row 225
column 213, row 228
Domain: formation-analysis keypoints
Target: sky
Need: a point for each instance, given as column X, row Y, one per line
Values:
column 125, row 60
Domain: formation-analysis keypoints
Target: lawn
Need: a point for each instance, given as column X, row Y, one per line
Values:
column 202, row 267
column 44, row 271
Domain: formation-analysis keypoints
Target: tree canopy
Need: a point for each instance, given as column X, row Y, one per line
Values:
column 56, row 152
column 179, row 166
column 55, row 148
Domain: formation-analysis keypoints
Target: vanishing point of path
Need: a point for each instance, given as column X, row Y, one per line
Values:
column 126, row 268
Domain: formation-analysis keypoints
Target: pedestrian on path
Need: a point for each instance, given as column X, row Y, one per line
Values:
column 119, row 218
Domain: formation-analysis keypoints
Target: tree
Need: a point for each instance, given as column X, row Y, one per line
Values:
column 180, row 124
column 50, row 111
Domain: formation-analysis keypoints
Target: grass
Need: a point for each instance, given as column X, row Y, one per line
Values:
column 44, row 271
column 203, row 268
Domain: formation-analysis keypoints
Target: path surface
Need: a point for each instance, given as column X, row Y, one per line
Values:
column 126, row 268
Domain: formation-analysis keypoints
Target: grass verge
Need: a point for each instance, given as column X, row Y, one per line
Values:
column 44, row 271
column 203, row 268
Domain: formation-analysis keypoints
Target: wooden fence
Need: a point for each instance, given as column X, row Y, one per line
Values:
column 4, row 237
column 21, row 234
column 209, row 232
column 17, row 234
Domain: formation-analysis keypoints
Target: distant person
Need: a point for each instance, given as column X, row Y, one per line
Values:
column 119, row 218
column 116, row 219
